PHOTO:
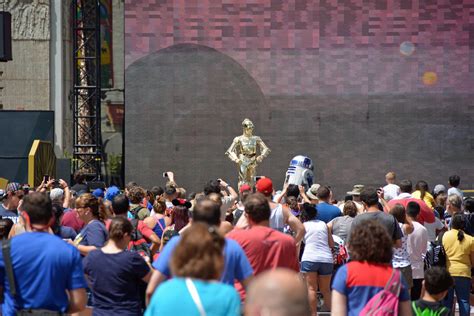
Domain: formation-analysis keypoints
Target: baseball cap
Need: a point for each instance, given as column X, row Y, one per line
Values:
column 56, row 194
column 98, row 193
column 439, row 188
column 264, row 185
column 13, row 187
column 112, row 192
column 245, row 187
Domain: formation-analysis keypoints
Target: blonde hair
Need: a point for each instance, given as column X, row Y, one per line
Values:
column 391, row 175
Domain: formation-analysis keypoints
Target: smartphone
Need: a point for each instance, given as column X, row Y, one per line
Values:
column 165, row 175
column 45, row 178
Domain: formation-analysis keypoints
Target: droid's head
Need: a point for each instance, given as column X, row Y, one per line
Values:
column 247, row 125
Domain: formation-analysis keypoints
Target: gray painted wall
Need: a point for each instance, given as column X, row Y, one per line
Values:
column 186, row 103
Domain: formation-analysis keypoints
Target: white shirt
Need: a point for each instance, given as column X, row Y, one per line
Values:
column 417, row 246
column 391, row 191
column 316, row 242
column 456, row 191
column 432, row 227
column 402, row 196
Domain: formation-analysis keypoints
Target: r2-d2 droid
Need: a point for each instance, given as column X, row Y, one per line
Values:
column 300, row 172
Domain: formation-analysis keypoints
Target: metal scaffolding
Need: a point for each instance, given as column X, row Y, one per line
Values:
column 87, row 144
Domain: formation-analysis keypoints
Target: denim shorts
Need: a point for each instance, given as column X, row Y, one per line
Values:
column 320, row 268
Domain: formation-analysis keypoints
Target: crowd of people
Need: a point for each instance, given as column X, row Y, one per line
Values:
column 224, row 251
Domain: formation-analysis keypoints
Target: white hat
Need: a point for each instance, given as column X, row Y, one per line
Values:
column 311, row 193
column 56, row 194
column 439, row 188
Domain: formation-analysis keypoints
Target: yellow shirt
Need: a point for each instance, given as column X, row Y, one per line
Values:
column 458, row 253
column 428, row 198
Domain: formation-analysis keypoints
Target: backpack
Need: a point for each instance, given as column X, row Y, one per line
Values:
column 339, row 251
column 435, row 255
column 385, row 302
column 135, row 211
column 138, row 242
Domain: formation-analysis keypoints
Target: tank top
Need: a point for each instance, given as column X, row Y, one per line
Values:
column 316, row 242
column 276, row 218
column 159, row 227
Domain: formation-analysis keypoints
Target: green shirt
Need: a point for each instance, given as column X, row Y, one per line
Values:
column 425, row 308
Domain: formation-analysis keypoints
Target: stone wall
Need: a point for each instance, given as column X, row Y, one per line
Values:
column 24, row 82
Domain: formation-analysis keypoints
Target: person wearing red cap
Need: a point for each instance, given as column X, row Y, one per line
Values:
column 280, row 214
column 265, row 247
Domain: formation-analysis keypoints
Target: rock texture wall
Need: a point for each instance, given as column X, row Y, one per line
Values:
column 24, row 82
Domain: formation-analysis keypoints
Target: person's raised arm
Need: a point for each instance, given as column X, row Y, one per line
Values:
column 171, row 179
column 77, row 300
column 67, row 193
column 228, row 188
column 303, row 194
column 282, row 194
column 41, row 186
column 382, row 200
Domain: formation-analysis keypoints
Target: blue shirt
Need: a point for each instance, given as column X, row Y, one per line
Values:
column 173, row 298
column 236, row 265
column 11, row 214
column 361, row 281
column 67, row 233
column 327, row 212
column 93, row 234
column 44, row 267
column 115, row 280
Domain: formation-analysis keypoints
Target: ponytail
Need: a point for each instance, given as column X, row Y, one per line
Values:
column 422, row 193
column 460, row 235
column 422, row 186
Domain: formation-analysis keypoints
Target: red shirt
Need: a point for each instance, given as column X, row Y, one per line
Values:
column 71, row 219
column 266, row 248
column 142, row 228
column 426, row 213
